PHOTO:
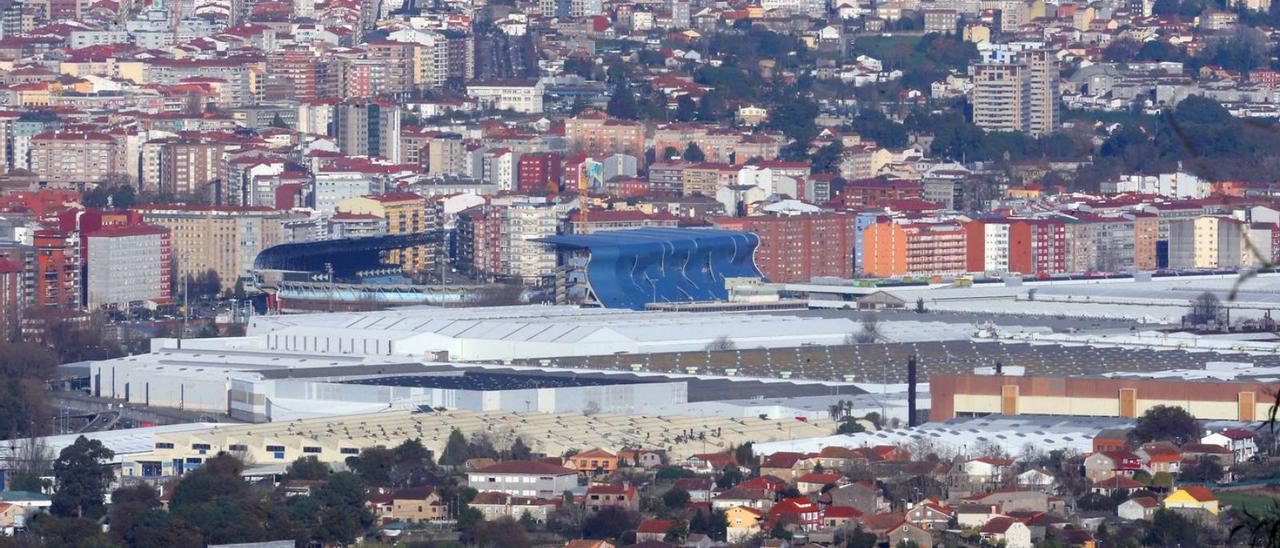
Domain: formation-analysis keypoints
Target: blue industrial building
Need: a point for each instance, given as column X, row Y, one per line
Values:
column 633, row 268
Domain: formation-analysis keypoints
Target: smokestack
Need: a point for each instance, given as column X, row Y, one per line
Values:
column 911, row 390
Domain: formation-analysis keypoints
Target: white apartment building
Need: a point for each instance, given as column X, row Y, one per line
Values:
column 523, row 96
column 127, row 265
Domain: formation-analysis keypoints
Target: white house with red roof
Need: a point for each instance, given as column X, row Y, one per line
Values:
column 1242, row 443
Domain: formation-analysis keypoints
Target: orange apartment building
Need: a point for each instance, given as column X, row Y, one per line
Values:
column 914, row 249
column 594, row 132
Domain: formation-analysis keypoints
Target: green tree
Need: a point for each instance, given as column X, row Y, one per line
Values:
column 128, row 506
column 827, row 159
column 373, row 465
column 1168, row 528
column 1203, row 470
column 730, row 476
column 711, row 107
column 693, row 153
column 123, row 197
column 519, row 451
column 850, row 425
column 686, row 108
column 623, row 103
column 456, row 451
column 609, row 523
column 503, row 532
column 675, row 498
column 82, row 475
column 1166, row 423
column 307, row 468
column 217, row 479
column 345, row 516
column 70, row 532
column 677, row 532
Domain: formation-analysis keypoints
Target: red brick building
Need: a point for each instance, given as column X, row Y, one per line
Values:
column 798, row 248
column 58, row 280
column 537, row 171
column 868, row 192
column 1037, row 246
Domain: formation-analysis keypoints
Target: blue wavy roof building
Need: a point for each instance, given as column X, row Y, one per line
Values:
column 632, row 268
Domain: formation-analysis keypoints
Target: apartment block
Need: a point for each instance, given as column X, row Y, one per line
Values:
column 798, row 248
column 368, row 129
column 1002, row 97
column 595, row 133
column 76, row 157
column 405, row 213
column 914, row 249
column 127, row 264
column 219, row 238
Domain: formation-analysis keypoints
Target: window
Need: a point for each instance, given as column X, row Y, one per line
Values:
column 349, row 451
column 164, row 445
column 275, row 448
column 200, row 446
column 310, row 449
column 237, row 447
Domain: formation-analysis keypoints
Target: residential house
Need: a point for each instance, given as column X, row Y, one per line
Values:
column 835, row 457
column 603, row 495
column 906, row 533
column 493, row 505
column 418, row 504
column 1138, row 508
column 1194, row 497
column 881, row 524
column 759, row 499
column 988, row 470
column 709, row 463
column 1038, row 479
column 653, row 530
column 797, row 513
column 813, row 482
column 1111, row 439
column 931, row 514
column 840, row 516
column 864, row 496
column 975, row 514
column 380, row 505
column 1100, row 466
column 28, row 499
column 1007, row 531
column 524, row 478
column 786, row 465
column 1242, row 443
column 642, row 458
column 699, row 489
column 1112, row 484
column 769, row 483
column 13, row 518
column 1012, row 500
column 1192, row 452
column 594, row 462
column 1160, row 457
column 743, row 523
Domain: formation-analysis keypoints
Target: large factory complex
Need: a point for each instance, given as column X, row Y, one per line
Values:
column 564, row 378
